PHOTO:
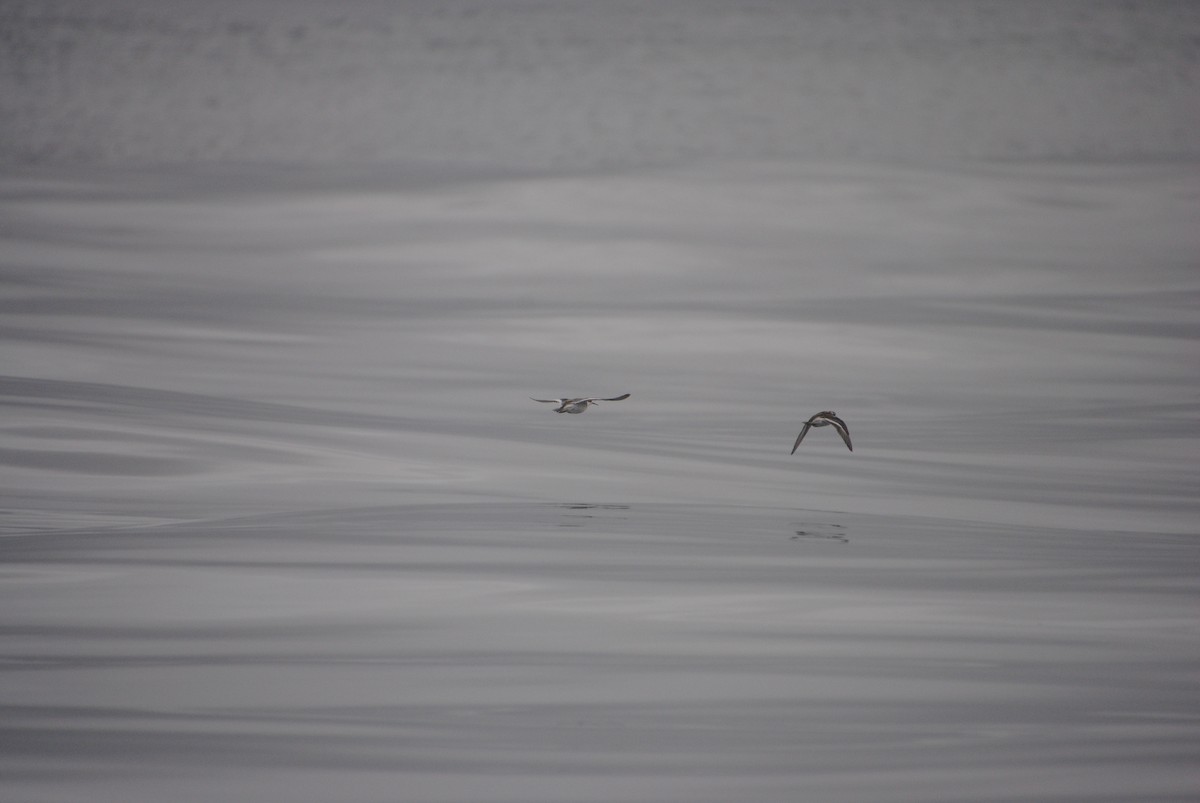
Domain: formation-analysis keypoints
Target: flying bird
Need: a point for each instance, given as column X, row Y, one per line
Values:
column 576, row 406
column 825, row 418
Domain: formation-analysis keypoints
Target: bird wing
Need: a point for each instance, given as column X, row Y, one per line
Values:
column 800, row 437
column 842, row 430
column 614, row 398
column 548, row 401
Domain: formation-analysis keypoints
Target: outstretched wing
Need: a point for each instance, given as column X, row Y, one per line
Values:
column 800, row 437
column 841, row 428
column 548, row 401
column 614, row 398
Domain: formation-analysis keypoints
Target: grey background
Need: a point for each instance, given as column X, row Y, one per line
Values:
column 280, row 523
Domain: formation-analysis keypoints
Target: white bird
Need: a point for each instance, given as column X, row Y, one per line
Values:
column 576, row 406
column 825, row 418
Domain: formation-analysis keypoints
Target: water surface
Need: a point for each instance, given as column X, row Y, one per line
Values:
column 279, row 521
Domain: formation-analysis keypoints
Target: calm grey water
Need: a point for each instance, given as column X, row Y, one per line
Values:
column 280, row 521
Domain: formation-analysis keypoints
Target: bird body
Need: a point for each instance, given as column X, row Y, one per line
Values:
column 577, row 406
column 825, row 418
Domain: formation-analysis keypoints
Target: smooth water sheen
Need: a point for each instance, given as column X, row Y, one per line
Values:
column 279, row 521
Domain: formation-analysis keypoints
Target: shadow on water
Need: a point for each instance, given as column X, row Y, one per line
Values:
column 575, row 517
column 822, row 532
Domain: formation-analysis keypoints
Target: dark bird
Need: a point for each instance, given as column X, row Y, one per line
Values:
column 825, row 418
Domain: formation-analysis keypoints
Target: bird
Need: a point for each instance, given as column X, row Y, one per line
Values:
column 825, row 418
column 576, row 406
